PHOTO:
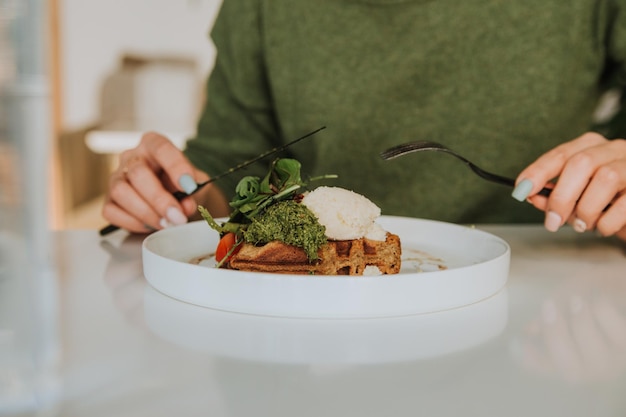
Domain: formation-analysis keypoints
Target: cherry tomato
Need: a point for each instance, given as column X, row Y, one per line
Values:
column 224, row 246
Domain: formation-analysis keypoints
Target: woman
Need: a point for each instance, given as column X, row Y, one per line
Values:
column 500, row 82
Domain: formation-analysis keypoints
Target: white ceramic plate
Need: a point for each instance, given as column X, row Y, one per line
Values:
column 476, row 266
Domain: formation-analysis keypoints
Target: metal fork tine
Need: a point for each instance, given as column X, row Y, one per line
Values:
column 425, row 145
column 405, row 148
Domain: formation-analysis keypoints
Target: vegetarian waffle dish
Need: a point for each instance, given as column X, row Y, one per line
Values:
column 278, row 226
column 336, row 257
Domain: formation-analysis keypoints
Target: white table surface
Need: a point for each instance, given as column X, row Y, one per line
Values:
column 553, row 343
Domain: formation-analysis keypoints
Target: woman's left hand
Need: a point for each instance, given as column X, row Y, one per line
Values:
column 589, row 187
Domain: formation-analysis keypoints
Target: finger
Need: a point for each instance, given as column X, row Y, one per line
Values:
column 150, row 198
column 121, row 218
column 163, row 155
column 128, row 209
column 613, row 220
column 607, row 182
column 198, row 176
column 540, row 201
column 598, row 166
column 153, row 170
column 189, row 204
column 593, row 165
column 550, row 165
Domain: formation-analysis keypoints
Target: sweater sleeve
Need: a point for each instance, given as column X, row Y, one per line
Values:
column 615, row 45
column 616, row 39
column 238, row 121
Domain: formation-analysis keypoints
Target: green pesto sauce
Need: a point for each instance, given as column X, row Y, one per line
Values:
column 289, row 222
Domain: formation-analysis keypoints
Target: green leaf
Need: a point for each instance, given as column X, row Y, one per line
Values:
column 288, row 172
column 246, row 191
column 248, row 187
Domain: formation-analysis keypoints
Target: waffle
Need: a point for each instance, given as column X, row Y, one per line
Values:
column 337, row 257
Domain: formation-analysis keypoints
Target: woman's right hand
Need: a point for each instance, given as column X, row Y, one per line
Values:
column 139, row 197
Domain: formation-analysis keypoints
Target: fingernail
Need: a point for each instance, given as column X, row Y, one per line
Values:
column 522, row 190
column 187, row 183
column 149, row 228
column 579, row 225
column 175, row 216
column 553, row 221
column 164, row 223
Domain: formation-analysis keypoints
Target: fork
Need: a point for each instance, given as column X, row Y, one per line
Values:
column 425, row 145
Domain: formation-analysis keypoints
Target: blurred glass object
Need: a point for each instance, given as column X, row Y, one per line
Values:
column 29, row 345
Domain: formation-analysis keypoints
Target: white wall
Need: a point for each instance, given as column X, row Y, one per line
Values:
column 94, row 33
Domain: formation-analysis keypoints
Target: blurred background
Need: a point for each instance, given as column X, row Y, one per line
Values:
column 113, row 70
column 118, row 68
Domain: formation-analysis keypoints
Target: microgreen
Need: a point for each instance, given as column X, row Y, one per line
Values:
column 253, row 195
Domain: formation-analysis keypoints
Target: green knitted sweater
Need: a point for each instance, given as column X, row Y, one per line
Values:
column 498, row 81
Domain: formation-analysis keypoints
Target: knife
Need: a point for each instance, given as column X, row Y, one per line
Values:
column 179, row 195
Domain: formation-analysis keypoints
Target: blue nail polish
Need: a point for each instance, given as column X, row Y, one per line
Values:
column 187, row 184
column 522, row 190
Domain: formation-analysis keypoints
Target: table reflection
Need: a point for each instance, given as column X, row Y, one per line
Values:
column 552, row 343
column 578, row 334
column 285, row 340
column 124, row 276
